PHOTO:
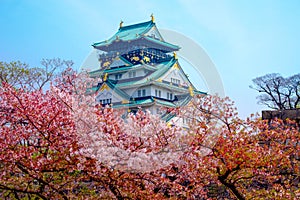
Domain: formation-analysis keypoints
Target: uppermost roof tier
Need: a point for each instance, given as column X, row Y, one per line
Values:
column 141, row 35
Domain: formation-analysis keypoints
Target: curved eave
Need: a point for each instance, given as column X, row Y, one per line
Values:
column 200, row 93
column 145, row 26
column 129, row 68
column 164, row 103
column 163, row 43
column 163, row 68
column 147, row 102
column 132, row 84
column 169, row 86
column 144, row 41
column 177, row 88
column 129, row 32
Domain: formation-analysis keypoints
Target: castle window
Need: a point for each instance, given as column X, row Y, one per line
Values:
column 175, row 80
column 141, row 93
column 169, row 96
column 105, row 101
column 118, row 76
column 157, row 93
column 132, row 74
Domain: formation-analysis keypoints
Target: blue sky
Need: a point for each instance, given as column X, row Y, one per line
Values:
column 244, row 39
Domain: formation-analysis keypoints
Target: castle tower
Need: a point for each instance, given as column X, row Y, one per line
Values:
column 140, row 69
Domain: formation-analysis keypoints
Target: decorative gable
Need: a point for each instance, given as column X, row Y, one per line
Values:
column 118, row 62
column 107, row 95
column 176, row 76
column 153, row 32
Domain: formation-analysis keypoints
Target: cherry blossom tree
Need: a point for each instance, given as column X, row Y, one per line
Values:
column 37, row 141
column 232, row 158
column 46, row 140
column 59, row 144
column 21, row 75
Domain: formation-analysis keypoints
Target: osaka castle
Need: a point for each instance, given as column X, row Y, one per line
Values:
column 139, row 69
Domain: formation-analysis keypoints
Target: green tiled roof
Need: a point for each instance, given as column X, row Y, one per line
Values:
column 149, row 100
column 127, row 68
column 162, row 69
column 162, row 43
column 185, row 101
column 126, row 33
column 134, row 32
column 119, row 69
column 165, row 103
column 117, row 90
column 199, row 92
column 135, row 103
column 98, row 72
column 111, row 86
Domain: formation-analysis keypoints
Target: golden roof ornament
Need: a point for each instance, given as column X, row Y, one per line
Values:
column 191, row 91
column 105, row 77
column 152, row 17
column 121, row 24
column 175, row 55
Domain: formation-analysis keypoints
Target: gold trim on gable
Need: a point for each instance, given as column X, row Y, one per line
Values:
column 104, row 87
column 191, row 91
column 175, row 66
column 105, row 77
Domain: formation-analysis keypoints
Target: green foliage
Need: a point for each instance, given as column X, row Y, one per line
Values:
column 14, row 73
column 21, row 75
